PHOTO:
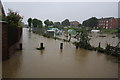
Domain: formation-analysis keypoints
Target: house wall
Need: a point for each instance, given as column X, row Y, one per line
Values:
column 108, row 23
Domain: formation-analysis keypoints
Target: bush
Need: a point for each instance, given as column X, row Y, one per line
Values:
column 14, row 19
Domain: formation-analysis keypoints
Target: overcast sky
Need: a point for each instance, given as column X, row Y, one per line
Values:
column 59, row 11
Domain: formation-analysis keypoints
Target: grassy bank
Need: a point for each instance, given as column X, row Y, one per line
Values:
column 109, row 31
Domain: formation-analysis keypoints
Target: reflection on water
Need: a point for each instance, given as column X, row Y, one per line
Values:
column 29, row 34
column 12, row 66
column 41, row 52
column 55, row 63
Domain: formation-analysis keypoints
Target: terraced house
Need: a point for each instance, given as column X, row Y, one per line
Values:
column 108, row 23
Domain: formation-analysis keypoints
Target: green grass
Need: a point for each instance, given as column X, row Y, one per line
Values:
column 110, row 31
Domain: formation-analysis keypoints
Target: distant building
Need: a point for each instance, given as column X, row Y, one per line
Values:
column 108, row 23
column 74, row 24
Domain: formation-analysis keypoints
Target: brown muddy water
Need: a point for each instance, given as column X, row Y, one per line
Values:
column 108, row 39
column 55, row 63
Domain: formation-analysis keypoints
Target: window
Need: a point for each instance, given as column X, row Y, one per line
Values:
column 106, row 24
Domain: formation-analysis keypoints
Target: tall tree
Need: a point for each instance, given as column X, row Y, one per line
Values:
column 39, row 23
column 29, row 23
column 57, row 24
column 35, row 22
column 66, row 22
column 91, row 22
column 84, row 39
column 48, row 23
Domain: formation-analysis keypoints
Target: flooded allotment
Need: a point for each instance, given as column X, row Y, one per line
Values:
column 55, row 63
column 60, row 39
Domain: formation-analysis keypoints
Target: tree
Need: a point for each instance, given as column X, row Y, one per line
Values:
column 91, row 22
column 48, row 23
column 66, row 22
column 39, row 23
column 84, row 40
column 29, row 23
column 85, row 23
column 35, row 22
column 57, row 24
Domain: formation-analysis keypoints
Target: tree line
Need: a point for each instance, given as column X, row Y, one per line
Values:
column 91, row 22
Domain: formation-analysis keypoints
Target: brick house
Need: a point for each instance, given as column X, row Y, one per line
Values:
column 74, row 24
column 108, row 23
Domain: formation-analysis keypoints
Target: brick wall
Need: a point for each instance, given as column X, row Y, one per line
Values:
column 5, row 54
column 0, row 42
column 12, row 49
column 8, row 51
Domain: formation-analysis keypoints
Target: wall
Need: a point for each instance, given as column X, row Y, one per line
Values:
column 0, row 42
column 5, row 54
column 8, row 37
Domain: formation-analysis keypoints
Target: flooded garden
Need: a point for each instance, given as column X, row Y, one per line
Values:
column 53, row 62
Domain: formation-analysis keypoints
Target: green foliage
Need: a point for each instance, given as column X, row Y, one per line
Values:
column 13, row 18
column 37, row 23
column 84, row 40
column 34, row 22
column 29, row 22
column 92, row 22
column 118, row 30
column 48, row 23
column 66, row 22
column 109, row 31
column 57, row 24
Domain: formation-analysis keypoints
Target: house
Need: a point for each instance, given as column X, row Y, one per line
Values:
column 108, row 23
column 74, row 24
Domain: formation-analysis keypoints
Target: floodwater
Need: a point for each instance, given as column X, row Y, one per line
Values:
column 108, row 39
column 55, row 63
